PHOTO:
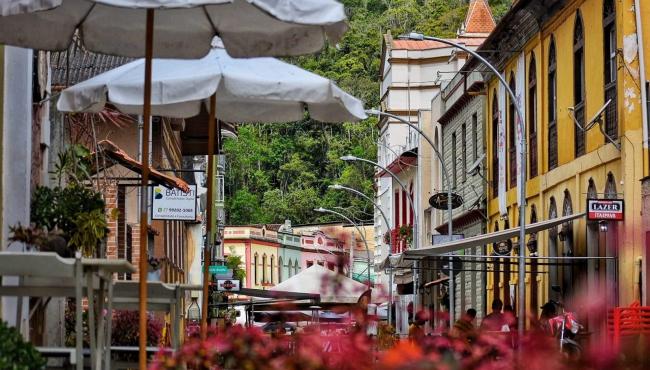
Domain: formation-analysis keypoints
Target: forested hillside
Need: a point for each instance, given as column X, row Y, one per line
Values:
column 279, row 171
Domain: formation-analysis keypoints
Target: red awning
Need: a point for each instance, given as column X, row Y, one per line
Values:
column 118, row 156
column 401, row 163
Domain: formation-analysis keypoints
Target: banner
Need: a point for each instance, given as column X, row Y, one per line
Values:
column 520, row 124
column 501, row 147
column 173, row 204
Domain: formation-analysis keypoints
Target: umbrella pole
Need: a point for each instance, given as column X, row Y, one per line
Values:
column 207, row 249
column 146, row 115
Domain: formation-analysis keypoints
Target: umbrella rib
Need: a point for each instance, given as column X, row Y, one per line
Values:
column 83, row 19
column 207, row 15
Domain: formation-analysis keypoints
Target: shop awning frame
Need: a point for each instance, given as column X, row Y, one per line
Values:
column 485, row 239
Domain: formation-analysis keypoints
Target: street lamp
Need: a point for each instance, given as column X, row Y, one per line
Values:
column 522, row 174
column 351, row 158
column 363, row 237
column 390, row 234
column 447, row 179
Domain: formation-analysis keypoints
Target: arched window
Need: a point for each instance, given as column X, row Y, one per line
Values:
column 255, row 264
column 609, row 56
column 497, row 267
column 592, row 193
column 264, row 280
column 610, row 187
column 296, row 267
column 532, row 117
column 463, row 152
column 512, row 133
column 552, row 247
column 506, row 272
column 579, row 85
column 495, row 147
column 552, row 106
column 280, row 267
column 534, row 268
column 567, row 239
column 454, row 158
column 272, row 268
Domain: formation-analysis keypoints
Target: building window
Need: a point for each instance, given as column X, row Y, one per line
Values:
column 495, row 146
column 532, row 117
column 552, row 106
column 264, row 280
column 280, row 266
column 497, row 267
column 272, row 268
column 463, row 141
column 255, row 264
column 475, row 142
column 579, row 85
column 454, row 176
column 310, row 264
column 512, row 131
column 610, row 187
column 609, row 55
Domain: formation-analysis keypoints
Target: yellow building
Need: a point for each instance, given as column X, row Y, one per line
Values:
column 566, row 60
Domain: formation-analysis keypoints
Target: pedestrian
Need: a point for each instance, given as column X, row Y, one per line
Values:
column 416, row 330
column 464, row 327
column 510, row 317
column 495, row 321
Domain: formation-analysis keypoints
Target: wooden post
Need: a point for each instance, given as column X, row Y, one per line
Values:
column 146, row 116
column 207, row 255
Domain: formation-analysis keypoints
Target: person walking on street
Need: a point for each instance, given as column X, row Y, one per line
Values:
column 495, row 321
column 464, row 327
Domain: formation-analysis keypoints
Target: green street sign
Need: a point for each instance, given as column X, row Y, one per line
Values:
column 218, row 269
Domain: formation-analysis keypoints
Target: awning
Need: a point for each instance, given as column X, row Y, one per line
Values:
column 395, row 261
column 485, row 239
column 118, row 156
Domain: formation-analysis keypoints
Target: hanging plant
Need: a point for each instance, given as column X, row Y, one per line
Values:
column 406, row 233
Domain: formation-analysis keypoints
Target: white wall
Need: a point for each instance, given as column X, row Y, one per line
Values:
column 16, row 155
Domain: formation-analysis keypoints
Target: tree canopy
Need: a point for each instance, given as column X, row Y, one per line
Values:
column 282, row 170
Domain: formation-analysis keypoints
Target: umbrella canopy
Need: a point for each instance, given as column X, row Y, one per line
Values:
column 182, row 28
column 332, row 287
column 247, row 90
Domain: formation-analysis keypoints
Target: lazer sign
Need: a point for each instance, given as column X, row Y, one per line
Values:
column 228, row 285
column 605, row 209
column 173, row 204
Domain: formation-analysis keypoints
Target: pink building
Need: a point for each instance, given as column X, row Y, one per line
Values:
column 319, row 248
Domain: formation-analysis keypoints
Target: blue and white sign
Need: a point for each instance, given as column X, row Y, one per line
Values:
column 173, row 204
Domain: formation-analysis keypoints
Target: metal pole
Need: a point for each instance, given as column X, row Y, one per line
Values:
column 521, row 312
column 363, row 237
column 390, row 235
column 146, row 116
column 449, row 192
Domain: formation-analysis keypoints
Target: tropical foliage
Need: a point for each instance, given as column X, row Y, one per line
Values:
column 15, row 352
column 281, row 171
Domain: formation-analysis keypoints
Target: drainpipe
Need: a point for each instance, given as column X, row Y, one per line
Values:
column 644, row 97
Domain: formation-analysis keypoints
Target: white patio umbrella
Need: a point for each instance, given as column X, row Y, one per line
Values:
column 236, row 90
column 246, row 90
column 183, row 29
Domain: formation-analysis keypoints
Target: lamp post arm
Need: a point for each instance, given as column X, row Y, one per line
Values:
column 364, row 196
column 363, row 237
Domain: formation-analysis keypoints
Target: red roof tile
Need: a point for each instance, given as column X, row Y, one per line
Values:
column 428, row 44
column 479, row 17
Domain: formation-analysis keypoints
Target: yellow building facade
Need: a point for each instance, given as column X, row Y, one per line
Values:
column 576, row 56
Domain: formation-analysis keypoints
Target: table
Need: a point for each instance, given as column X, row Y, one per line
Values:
column 46, row 274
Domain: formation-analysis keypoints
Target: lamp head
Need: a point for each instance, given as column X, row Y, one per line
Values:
column 320, row 209
column 349, row 158
column 373, row 112
column 335, row 187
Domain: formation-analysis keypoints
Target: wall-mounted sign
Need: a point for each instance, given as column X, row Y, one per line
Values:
column 229, row 285
column 503, row 248
column 444, row 238
column 605, row 209
column 173, row 204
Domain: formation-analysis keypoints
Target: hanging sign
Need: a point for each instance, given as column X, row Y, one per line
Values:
column 173, row 204
column 605, row 209
column 228, row 285
column 503, row 248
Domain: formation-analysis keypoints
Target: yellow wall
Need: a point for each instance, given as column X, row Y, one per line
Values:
column 573, row 174
column 261, row 250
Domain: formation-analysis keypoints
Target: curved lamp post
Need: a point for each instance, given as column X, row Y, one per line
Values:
column 447, row 178
column 351, row 158
column 521, row 312
column 383, row 215
column 363, row 237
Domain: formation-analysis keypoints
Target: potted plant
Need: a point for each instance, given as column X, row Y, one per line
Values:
column 154, row 269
